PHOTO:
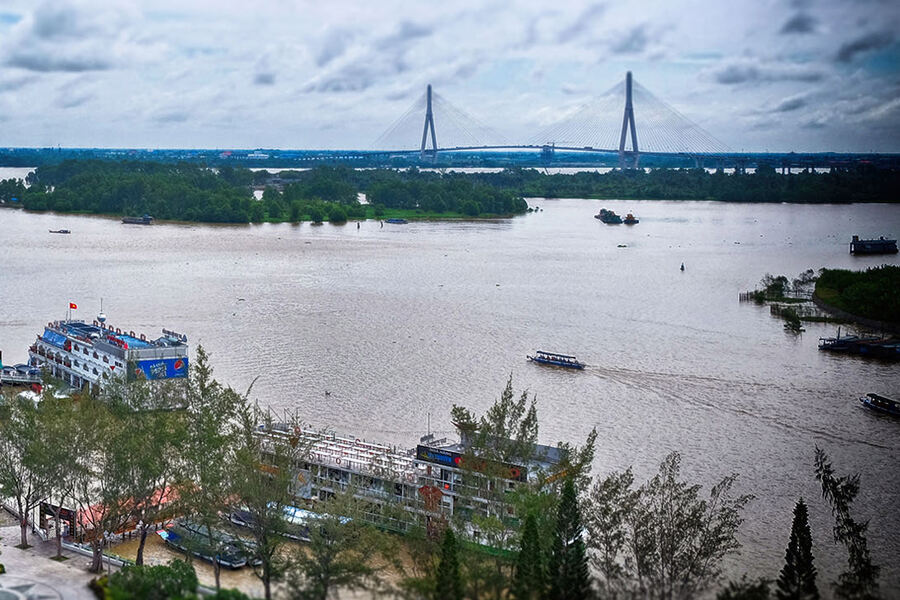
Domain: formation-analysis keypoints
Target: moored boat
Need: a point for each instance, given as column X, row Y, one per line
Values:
column 881, row 404
column 556, row 359
column 608, row 217
column 144, row 220
column 194, row 539
column 879, row 246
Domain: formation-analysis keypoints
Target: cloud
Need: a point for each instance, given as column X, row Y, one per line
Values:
column 264, row 78
column 70, row 37
column 800, row 23
column 748, row 72
column 333, row 46
column 405, row 33
column 11, row 84
column 582, row 23
column 633, row 43
column 791, row 104
column 875, row 40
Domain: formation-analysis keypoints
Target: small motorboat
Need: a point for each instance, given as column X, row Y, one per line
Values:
column 60, row 231
column 881, row 404
column 556, row 359
column 396, row 221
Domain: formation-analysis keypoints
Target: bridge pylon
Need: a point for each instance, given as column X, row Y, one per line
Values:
column 628, row 159
column 429, row 124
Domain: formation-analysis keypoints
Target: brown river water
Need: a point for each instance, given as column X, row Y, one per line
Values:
column 397, row 323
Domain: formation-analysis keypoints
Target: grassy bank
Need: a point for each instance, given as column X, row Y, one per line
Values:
column 871, row 294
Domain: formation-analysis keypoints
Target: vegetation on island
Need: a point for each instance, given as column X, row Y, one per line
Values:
column 871, row 294
column 192, row 192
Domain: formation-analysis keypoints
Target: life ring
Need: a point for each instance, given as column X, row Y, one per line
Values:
column 297, row 429
column 337, row 460
column 357, row 440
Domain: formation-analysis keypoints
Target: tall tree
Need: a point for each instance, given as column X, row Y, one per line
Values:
column 860, row 580
column 147, row 442
column 20, row 454
column 264, row 485
column 674, row 540
column 568, row 574
column 797, row 580
column 530, row 579
column 208, row 450
column 448, row 583
column 611, row 502
column 343, row 550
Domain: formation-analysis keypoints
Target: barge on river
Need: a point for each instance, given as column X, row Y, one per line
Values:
column 608, row 217
column 143, row 220
column 870, row 346
column 879, row 246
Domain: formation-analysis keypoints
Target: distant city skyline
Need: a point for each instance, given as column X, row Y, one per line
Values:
column 773, row 75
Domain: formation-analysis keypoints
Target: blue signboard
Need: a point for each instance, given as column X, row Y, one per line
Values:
column 51, row 337
column 167, row 368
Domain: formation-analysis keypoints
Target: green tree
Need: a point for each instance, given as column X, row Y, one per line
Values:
column 674, row 540
column 342, row 550
column 797, row 580
column 448, row 583
column 860, row 580
column 530, row 580
column 609, row 507
column 176, row 580
column 264, row 485
column 208, row 448
column 569, row 577
column 20, row 453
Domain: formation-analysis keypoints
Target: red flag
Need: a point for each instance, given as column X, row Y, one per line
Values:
column 73, row 305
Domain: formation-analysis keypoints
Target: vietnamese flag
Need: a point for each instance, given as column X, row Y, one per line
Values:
column 72, row 305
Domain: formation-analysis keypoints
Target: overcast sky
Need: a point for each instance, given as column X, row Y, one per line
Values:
column 757, row 74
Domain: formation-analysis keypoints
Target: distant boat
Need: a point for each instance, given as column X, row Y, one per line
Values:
column 879, row 246
column 145, row 220
column 60, row 231
column 881, row 404
column 556, row 359
column 630, row 219
column 608, row 217
column 396, row 221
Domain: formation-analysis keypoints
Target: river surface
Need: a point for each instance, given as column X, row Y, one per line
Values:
column 373, row 331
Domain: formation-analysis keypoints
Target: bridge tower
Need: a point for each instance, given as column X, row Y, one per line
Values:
column 429, row 124
column 627, row 159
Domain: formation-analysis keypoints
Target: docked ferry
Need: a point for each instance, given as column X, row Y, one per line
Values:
column 87, row 355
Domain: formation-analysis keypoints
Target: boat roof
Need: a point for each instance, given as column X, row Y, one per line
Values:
column 555, row 354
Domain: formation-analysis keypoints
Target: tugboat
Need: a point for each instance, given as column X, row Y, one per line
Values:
column 881, row 404
column 557, row 360
column 608, row 217
column 630, row 219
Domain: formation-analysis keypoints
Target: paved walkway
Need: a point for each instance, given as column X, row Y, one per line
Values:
column 32, row 574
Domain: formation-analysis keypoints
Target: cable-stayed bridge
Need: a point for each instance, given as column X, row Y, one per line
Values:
column 627, row 119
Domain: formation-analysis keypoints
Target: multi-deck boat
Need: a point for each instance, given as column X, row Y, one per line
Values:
column 556, row 359
column 87, row 355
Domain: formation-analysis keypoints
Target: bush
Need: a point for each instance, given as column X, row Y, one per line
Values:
column 175, row 580
column 337, row 214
